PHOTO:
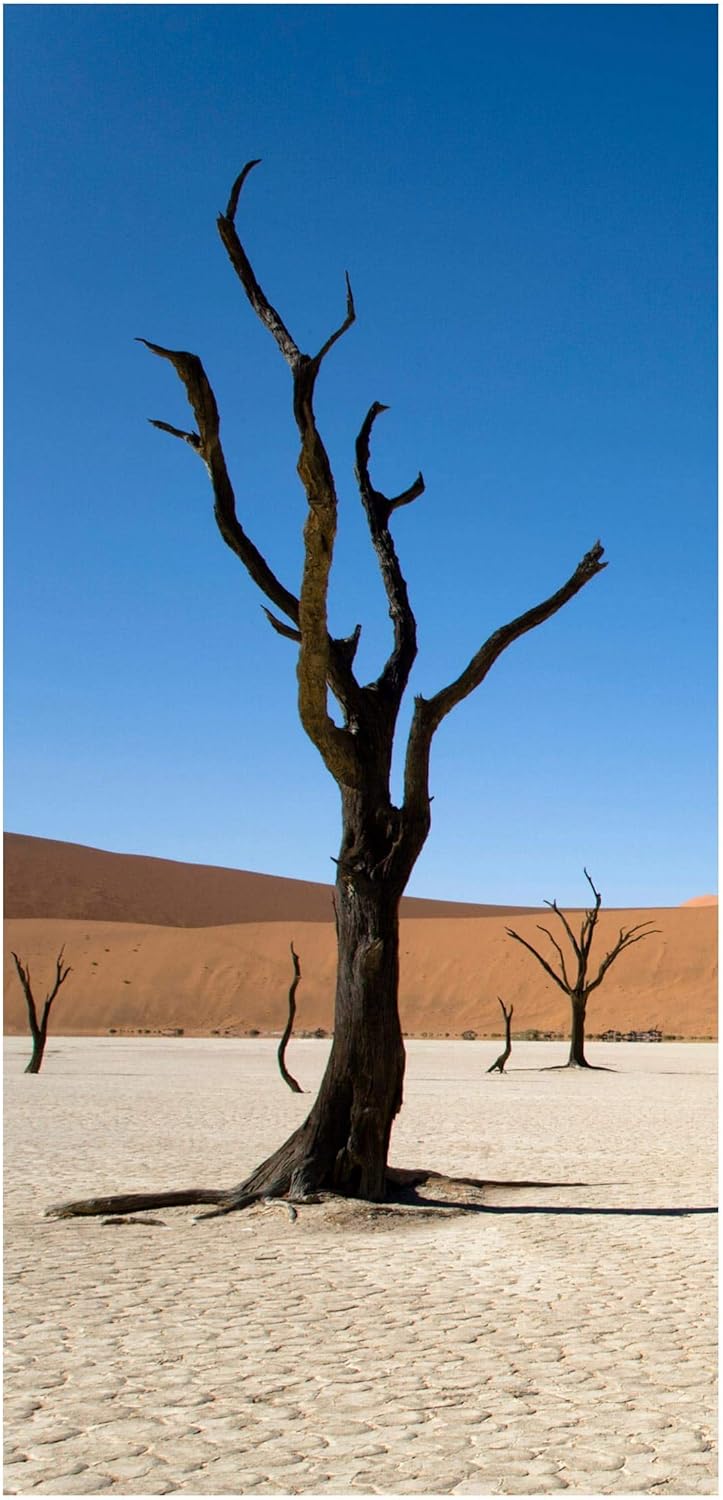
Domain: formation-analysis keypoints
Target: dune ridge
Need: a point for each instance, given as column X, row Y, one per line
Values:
column 49, row 878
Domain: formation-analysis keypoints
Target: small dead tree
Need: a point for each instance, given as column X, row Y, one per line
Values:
column 343, row 1144
column 39, row 1028
column 499, row 1062
column 578, row 985
column 285, row 1074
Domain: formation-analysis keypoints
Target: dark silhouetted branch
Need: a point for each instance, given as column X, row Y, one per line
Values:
column 540, row 958
column 499, row 1062
column 39, row 1028
column 207, row 443
column 285, row 1074
column 625, row 940
column 429, row 712
column 378, row 508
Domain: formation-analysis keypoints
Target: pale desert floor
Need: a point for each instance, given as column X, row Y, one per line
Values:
column 563, row 1337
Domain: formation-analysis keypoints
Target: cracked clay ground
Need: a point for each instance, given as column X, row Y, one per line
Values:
column 560, row 1338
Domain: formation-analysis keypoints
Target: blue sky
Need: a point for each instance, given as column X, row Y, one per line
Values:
column 524, row 198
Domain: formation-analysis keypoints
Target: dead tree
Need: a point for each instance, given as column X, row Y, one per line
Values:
column 343, row 1143
column 499, row 1062
column 578, row 984
column 39, row 1028
column 285, row 1074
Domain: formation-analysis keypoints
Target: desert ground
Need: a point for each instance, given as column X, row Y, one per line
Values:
column 556, row 1334
column 158, row 945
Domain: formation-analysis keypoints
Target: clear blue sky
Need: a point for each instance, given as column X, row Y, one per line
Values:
column 524, row 197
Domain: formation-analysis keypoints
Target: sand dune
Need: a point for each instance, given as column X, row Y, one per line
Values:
column 47, row 878
column 151, row 956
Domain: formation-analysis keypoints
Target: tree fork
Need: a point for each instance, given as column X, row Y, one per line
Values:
column 39, row 1027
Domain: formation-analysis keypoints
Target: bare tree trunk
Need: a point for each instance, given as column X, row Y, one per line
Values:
column 39, row 1028
column 577, row 1057
column 499, row 1062
column 343, row 1144
column 40, row 1037
column 285, row 1074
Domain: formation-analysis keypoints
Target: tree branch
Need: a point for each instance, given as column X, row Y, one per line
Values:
column 429, row 712
column 587, row 931
column 24, row 977
column 188, row 437
column 280, row 627
column 337, row 747
column 242, row 266
column 207, row 443
column 543, row 961
column 322, row 661
column 560, row 953
column 378, row 508
column 317, row 664
column 477, row 670
column 625, row 940
column 554, row 907
column 61, row 974
column 264, row 310
column 349, row 319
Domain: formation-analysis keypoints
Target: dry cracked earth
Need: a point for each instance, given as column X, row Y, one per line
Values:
column 554, row 1336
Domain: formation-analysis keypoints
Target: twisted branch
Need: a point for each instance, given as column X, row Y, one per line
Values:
column 285, row 1074
column 378, row 509
column 625, row 940
column 429, row 712
column 540, row 959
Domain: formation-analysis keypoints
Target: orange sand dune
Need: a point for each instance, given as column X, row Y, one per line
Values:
column 203, row 973
column 47, row 878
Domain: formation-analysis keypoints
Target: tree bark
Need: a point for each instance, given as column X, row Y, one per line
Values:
column 281, row 1054
column 499, row 1062
column 40, row 1037
column 342, row 1145
column 577, row 1057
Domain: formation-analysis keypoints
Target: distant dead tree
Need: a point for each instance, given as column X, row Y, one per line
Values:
column 499, row 1062
column 39, row 1028
column 342, row 1146
column 285, row 1074
column 578, row 986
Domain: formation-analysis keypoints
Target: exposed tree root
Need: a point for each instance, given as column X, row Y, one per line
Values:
column 405, row 1188
column 132, row 1203
column 400, row 1184
column 581, row 1067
